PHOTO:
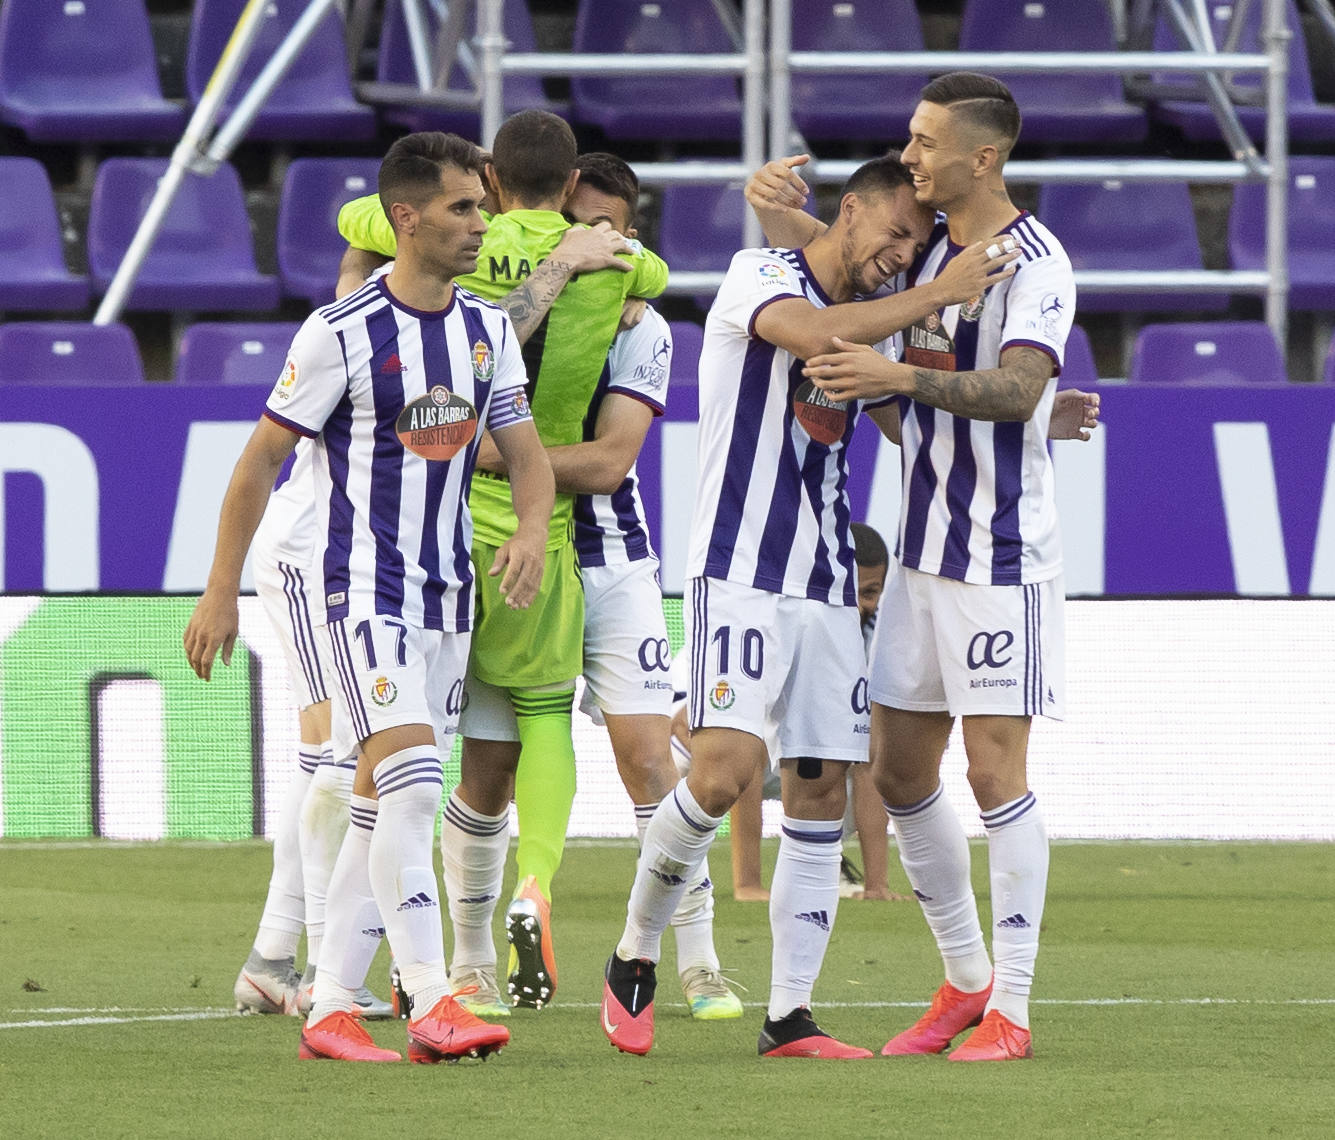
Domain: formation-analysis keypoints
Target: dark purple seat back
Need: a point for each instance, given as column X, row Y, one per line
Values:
column 72, row 354
column 82, row 71
column 1311, row 230
column 1072, row 107
column 692, row 107
column 1128, row 225
column 220, row 352
column 688, row 338
column 394, row 65
column 1078, row 369
column 309, row 244
column 1211, row 352
column 203, row 257
column 33, row 275
column 872, row 108
column 313, row 100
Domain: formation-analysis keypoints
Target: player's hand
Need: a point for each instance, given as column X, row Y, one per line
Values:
column 857, row 372
column 1074, row 414
column 521, row 559
column 589, row 248
column 978, row 266
column 213, row 625
column 632, row 313
column 777, row 184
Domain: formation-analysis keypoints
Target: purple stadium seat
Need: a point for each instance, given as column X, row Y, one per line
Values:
column 82, row 71
column 1207, row 352
column 1328, row 370
column 314, row 100
column 700, row 227
column 1128, row 225
column 868, row 108
column 688, row 338
column 1067, row 108
column 662, row 107
column 203, row 258
column 1078, row 370
column 394, row 65
column 33, row 275
column 1309, row 121
column 219, row 352
column 309, row 245
column 1311, row 231
column 76, row 354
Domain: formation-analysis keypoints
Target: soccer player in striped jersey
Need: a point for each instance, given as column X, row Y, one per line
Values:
column 314, row 815
column 393, row 383
column 971, row 622
column 772, row 617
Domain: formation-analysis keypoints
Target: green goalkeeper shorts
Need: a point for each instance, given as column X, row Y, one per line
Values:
column 542, row 645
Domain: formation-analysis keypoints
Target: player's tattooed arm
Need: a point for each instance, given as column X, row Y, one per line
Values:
column 581, row 250
column 1009, row 393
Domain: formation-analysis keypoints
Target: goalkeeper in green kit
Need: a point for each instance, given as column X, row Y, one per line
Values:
column 525, row 658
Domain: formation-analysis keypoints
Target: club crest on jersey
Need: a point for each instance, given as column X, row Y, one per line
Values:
column 972, row 309
column 821, row 417
column 483, row 362
column 721, row 695
column 383, row 691
column 287, row 381
column 520, row 404
column 772, row 274
column 438, row 425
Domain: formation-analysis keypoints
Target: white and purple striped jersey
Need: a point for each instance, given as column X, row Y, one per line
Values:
column 287, row 531
column 379, row 387
column 771, row 510
column 610, row 529
column 978, row 503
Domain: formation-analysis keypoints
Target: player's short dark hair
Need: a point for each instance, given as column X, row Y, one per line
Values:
column 610, row 175
column 533, row 154
column 410, row 170
column 869, row 547
column 882, row 175
column 980, row 99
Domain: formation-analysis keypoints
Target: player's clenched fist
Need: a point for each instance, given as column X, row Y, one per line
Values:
column 213, row 626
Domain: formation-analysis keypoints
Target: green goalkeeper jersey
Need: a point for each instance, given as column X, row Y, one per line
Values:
column 564, row 357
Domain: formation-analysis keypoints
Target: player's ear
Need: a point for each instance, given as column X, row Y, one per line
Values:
column 404, row 218
column 571, row 183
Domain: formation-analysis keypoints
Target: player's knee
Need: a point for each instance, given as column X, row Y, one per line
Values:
column 993, row 787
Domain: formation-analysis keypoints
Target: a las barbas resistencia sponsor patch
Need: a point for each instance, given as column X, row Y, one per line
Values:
column 822, row 418
column 438, row 425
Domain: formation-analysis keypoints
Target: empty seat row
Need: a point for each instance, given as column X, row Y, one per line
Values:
column 58, row 83
column 211, row 353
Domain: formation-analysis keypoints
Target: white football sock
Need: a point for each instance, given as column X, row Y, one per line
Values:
column 675, row 846
column 693, row 921
column 935, row 855
column 473, row 848
column 1017, row 848
column 352, row 919
column 409, row 786
column 324, row 822
column 284, row 915
column 803, row 898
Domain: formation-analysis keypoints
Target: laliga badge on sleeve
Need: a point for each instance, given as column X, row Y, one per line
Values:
column 438, row 425
column 824, row 419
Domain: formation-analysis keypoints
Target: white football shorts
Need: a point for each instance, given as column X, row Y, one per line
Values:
column 388, row 673
column 281, row 587
column 627, row 656
column 970, row 650
column 760, row 659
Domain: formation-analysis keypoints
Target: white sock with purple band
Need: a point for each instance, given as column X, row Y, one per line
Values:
column 693, row 921
column 935, row 853
column 803, row 899
column 324, row 822
column 473, row 848
column 409, row 786
column 1017, row 848
column 284, row 915
column 674, row 849
column 352, row 919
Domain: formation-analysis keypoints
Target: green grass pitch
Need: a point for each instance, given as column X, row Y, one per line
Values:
column 1184, row 990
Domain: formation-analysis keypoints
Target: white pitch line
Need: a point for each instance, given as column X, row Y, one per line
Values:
column 116, row 1015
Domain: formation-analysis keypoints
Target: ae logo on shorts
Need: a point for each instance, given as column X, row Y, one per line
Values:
column 655, row 655
column 986, row 649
